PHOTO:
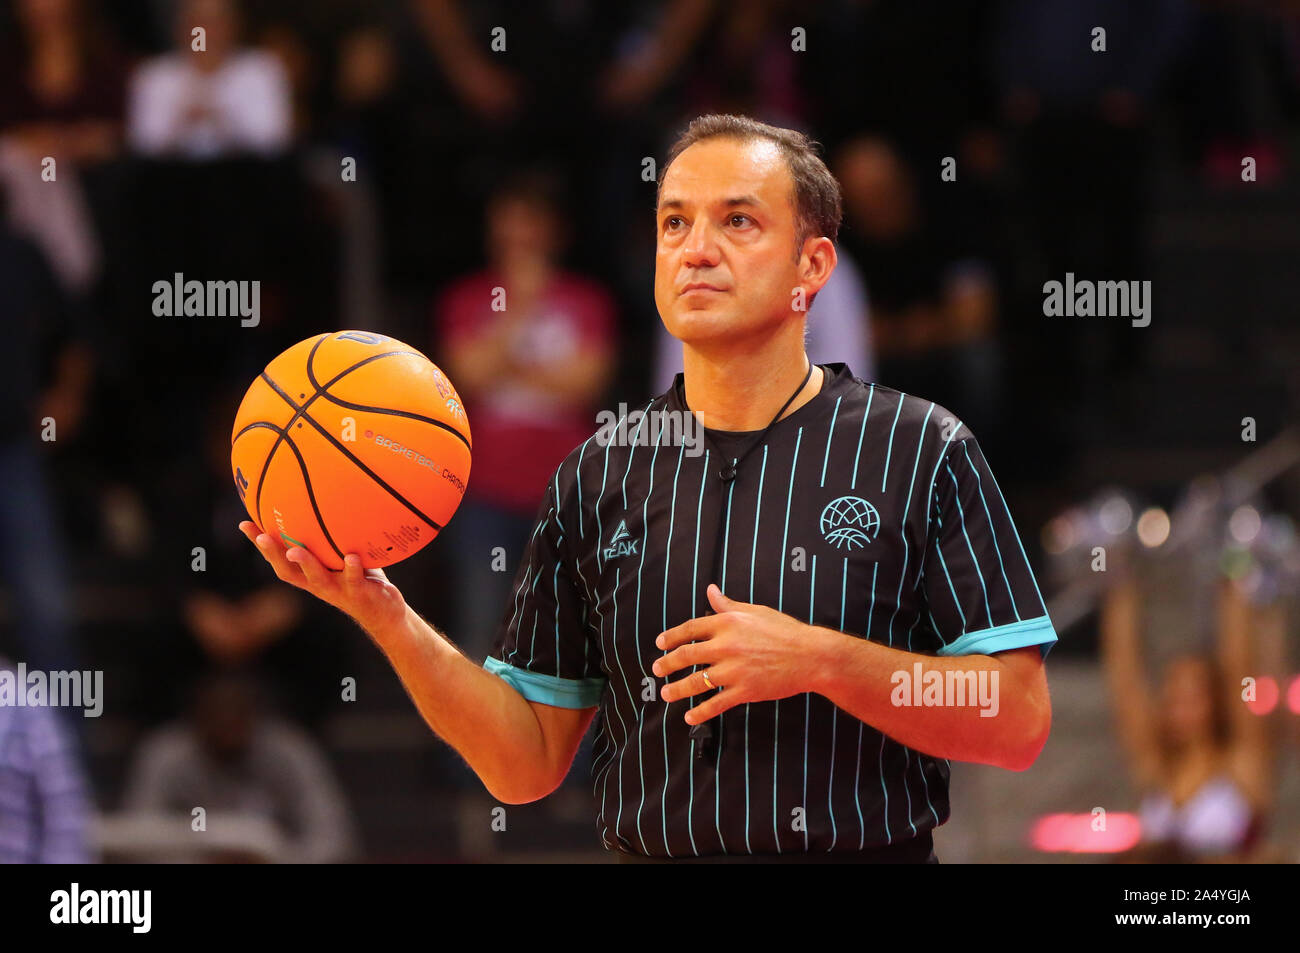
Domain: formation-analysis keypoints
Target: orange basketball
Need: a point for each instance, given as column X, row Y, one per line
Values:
column 351, row 442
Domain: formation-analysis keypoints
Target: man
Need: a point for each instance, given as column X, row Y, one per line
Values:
column 226, row 99
column 238, row 759
column 533, row 373
column 746, row 619
column 45, row 803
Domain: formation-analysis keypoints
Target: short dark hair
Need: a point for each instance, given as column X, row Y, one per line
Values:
column 818, row 205
column 537, row 186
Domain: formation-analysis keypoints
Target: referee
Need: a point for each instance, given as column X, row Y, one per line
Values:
column 783, row 631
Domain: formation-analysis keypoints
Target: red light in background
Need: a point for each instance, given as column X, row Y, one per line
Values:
column 1073, row 833
column 1293, row 696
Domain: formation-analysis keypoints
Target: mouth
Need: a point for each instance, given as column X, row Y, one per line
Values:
column 700, row 286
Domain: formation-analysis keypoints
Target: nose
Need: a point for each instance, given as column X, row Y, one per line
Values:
column 700, row 249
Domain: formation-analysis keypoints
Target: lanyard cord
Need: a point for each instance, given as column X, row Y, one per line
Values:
column 705, row 735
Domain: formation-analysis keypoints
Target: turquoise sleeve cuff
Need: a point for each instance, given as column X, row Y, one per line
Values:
column 549, row 689
column 1002, row 638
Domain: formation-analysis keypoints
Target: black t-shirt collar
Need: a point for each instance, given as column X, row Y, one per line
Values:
column 837, row 375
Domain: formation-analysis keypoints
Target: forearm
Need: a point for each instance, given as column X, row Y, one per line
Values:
column 1239, row 625
column 993, row 720
column 268, row 614
column 444, row 27
column 1121, row 660
column 477, row 362
column 678, row 30
column 1119, row 631
column 579, row 380
column 1234, row 630
column 490, row 724
column 456, row 51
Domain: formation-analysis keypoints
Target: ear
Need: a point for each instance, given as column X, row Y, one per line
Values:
column 816, row 264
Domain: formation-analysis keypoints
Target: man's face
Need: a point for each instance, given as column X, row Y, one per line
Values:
column 217, row 18
column 519, row 228
column 725, row 263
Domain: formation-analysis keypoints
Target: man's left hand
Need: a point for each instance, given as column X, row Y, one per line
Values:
column 752, row 653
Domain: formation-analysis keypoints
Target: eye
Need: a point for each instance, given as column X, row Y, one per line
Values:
column 672, row 222
column 739, row 220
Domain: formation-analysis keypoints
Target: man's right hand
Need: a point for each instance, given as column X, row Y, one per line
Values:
column 364, row 594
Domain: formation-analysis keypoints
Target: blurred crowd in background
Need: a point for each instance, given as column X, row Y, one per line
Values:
column 508, row 144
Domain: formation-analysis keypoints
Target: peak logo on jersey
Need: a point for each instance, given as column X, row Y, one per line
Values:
column 621, row 543
column 849, row 521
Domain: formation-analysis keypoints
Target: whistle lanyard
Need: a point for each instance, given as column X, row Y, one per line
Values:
column 705, row 736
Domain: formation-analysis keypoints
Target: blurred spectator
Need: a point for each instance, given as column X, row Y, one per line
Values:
column 914, row 72
column 366, row 68
column 934, row 301
column 235, row 616
column 62, row 83
column 43, row 373
column 651, row 45
column 752, row 66
column 44, row 802
column 1230, row 88
column 397, row 108
column 529, row 346
column 1051, row 62
column 1201, row 757
column 1079, row 104
column 233, row 760
column 62, row 91
column 207, row 103
column 450, row 91
column 838, row 329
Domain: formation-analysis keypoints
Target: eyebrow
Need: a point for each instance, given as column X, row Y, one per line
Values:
column 730, row 203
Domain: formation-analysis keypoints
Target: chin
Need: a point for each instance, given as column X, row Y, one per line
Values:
column 701, row 324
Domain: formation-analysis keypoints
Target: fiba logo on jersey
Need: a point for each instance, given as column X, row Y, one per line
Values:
column 849, row 521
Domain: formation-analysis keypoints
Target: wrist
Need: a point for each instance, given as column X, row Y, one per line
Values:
column 827, row 658
column 392, row 633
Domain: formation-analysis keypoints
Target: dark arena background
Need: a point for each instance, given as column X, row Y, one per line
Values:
column 1076, row 224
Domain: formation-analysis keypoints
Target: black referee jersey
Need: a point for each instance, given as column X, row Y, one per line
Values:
column 866, row 510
